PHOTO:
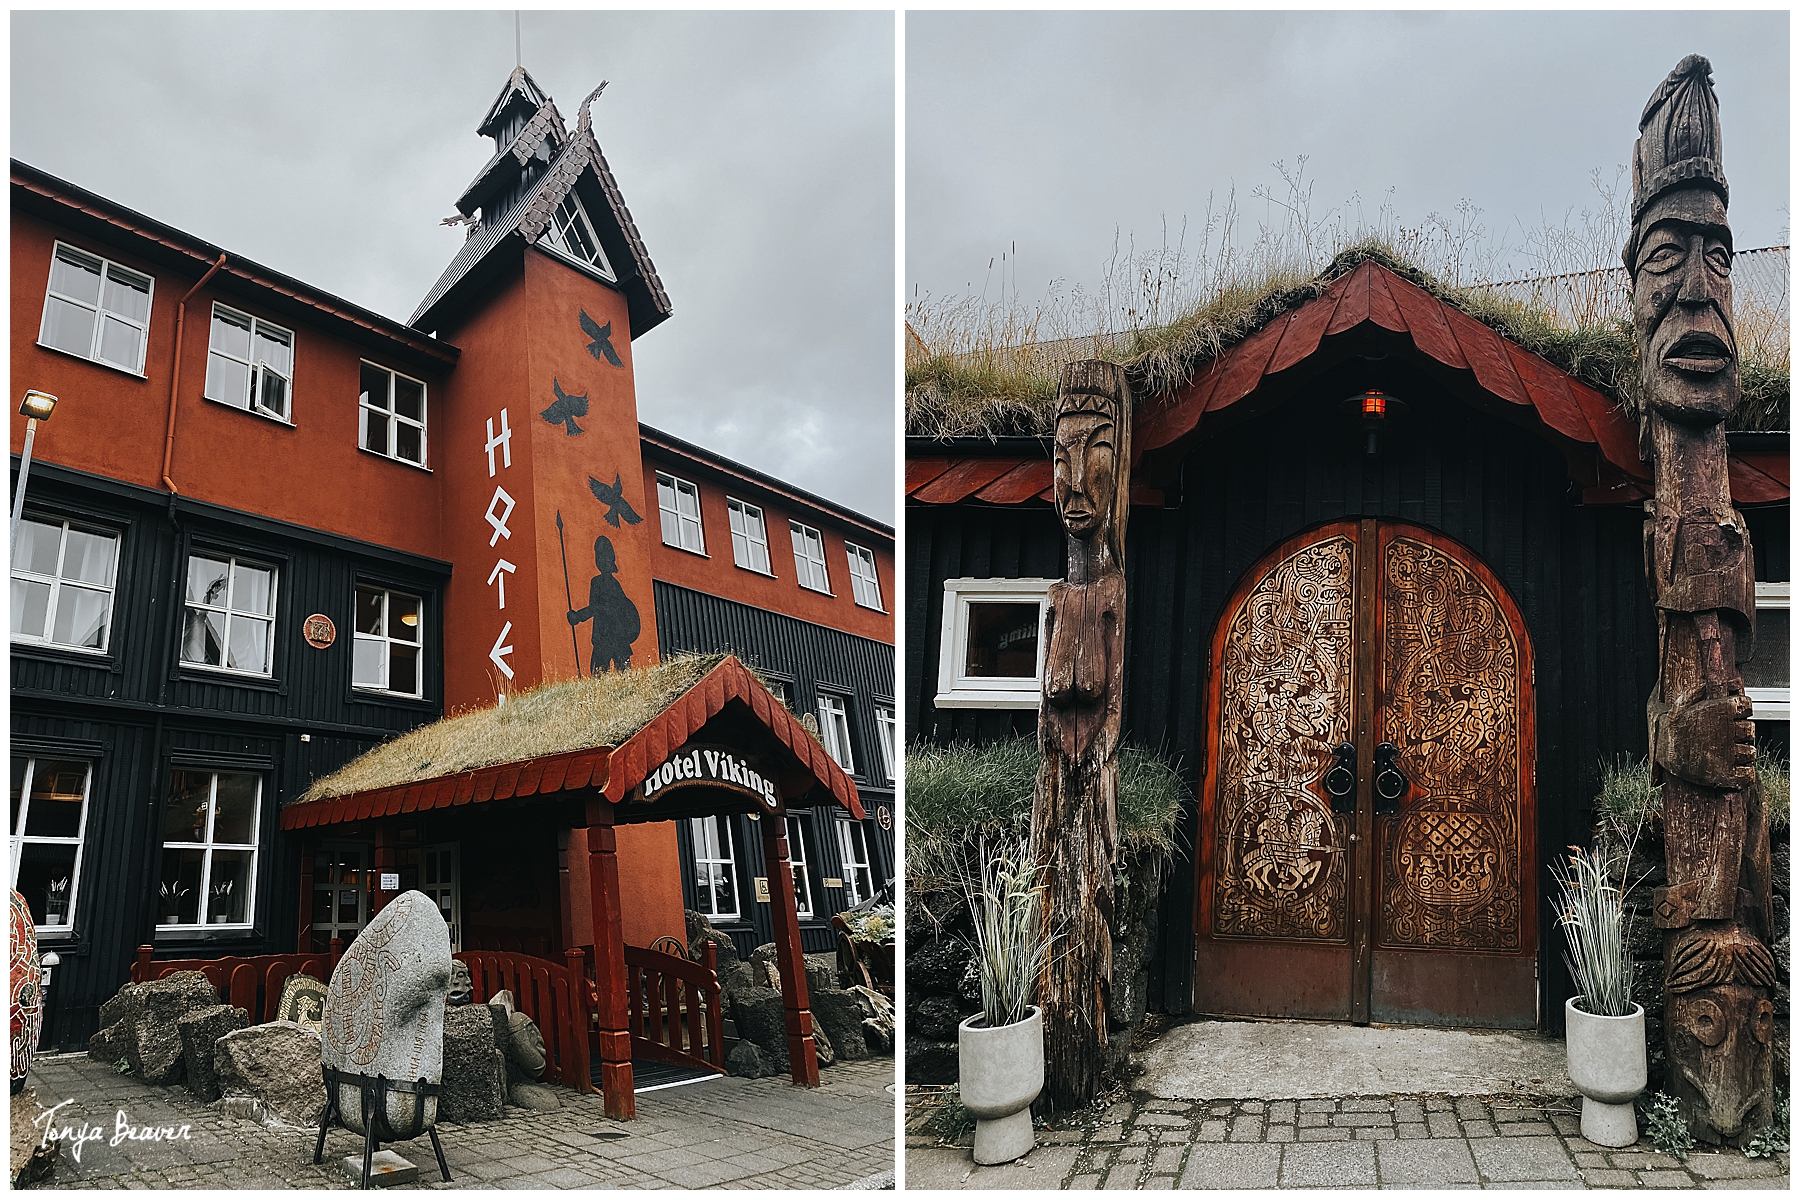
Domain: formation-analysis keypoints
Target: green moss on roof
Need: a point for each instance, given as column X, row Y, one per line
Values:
column 555, row 718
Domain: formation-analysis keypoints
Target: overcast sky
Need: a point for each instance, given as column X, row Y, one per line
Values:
column 755, row 151
column 1051, row 130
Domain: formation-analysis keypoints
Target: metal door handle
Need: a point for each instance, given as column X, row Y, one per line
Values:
column 1340, row 780
column 1390, row 784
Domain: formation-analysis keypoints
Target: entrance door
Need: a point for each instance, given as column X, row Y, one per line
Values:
column 1367, row 825
column 340, row 892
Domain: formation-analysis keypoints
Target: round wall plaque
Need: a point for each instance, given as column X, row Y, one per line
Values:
column 883, row 817
column 318, row 631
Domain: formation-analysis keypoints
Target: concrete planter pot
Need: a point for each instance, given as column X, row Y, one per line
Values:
column 1002, row 1072
column 1609, row 1067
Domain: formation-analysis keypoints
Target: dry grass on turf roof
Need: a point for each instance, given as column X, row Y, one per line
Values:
column 571, row 714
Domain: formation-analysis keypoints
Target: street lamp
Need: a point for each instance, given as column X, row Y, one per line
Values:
column 37, row 406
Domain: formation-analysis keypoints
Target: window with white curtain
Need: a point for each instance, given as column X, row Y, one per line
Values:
column 715, row 871
column 96, row 309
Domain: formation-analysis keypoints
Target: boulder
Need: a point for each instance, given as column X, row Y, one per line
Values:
column 385, row 1012
column 534, row 1096
column 123, row 1004
column 931, row 1062
column 879, row 1036
column 111, row 1045
column 302, row 1001
column 700, row 929
column 155, row 1050
column 746, row 1060
column 878, row 1019
column 765, row 966
column 934, row 1018
column 271, row 1073
column 199, row 1030
column 524, row 1050
column 822, row 1047
column 968, row 988
column 462, row 985
column 32, row 1157
column 839, row 1015
column 758, row 1016
column 937, row 968
column 736, row 978
column 822, row 973
column 474, row 1070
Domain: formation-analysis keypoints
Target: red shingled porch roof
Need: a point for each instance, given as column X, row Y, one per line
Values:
column 613, row 769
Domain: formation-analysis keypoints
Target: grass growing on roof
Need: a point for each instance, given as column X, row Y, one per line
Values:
column 570, row 714
column 957, row 795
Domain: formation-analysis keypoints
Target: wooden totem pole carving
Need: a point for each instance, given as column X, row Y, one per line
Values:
column 1715, row 911
column 1074, row 813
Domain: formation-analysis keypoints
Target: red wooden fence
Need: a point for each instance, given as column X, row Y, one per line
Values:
column 252, row 984
column 674, row 1004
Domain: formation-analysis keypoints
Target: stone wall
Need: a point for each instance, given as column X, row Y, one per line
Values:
column 943, row 981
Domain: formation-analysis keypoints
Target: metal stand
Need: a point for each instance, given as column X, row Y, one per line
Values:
column 375, row 1091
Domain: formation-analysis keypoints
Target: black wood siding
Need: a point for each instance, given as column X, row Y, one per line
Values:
column 810, row 658
column 1575, row 571
column 133, row 712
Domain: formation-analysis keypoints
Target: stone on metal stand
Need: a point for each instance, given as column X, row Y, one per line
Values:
column 383, row 1044
column 1715, row 913
column 1074, row 811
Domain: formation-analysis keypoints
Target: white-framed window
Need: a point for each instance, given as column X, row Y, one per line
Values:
column 250, row 363
column 797, row 860
column 749, row 537
column 991, row 653
column 388, row 642
column 853, row 848
column 49, row 819
column 1766, row 674
column 230, row 619
column 782, row 690
column 834, row 730
column 715, row 871
column 441, row 880
column 889, row 738
column 209, row 849
column 809, row 558
column 864, row 585
column 340, row 893
column 62, row 585
column 96, row 309
column 572, row 233
column 679, row 501
column 391, row 414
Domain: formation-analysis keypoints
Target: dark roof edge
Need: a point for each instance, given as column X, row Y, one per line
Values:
column 669, row 443
column 204, row 253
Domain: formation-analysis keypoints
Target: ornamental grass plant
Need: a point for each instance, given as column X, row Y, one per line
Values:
column 1012, row 944
column 1591, row 911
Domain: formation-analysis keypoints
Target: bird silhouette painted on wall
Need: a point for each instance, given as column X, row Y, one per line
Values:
column 600, row 342
column 566, row 409
column 614, row 499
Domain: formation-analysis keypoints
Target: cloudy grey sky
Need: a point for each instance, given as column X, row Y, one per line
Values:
column 755, row 150
column 1051, row 130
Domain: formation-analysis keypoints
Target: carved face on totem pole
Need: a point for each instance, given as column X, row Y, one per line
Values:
column 1721, row 1036
column 1679, row 254
column 1092, row 460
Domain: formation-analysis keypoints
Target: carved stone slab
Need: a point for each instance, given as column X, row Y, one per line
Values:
column 302, row 1002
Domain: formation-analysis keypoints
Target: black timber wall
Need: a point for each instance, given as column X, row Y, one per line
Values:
column 810, row 658
column 135, row 712
column 1576, row 572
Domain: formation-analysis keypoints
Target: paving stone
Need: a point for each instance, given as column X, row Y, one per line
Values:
column 1158, row 1183
column 1584, row 1159
column 1160, row 1119
column 1425, row 1163
column 1732, row 1166
column 1609, row 1179
column 1350, row 1164
column 1478, row 1129
column 1368, row 1104
column 1374, row 1135
column 1220, row 1110
column 1318, row 1106
column 1118, row 1112
column 1444, row 1125
column 1131, row 1154
column 1081, row 1183
column 1120, row 1179
column 1507, row 1112
column 1363, row 1118
column 1775, row 1183
column 1211, row 1131
column 1526, row 1129
column 1642, row 1160
column 1167, row 1159
column 1281, row 1133
column 1314, row 1120
column 1108, row 1133
column 1233, row 1167
column 1247, row 1128
column 1517, row 1160
column 1325, row 1135
column 1281, row 1112
column 1471, row 1110
column 1252, row 1106
column 1567, row 1124
column 1409, row 1110
column 1412, row 1131
column 1437, row 1104
column 1167, row 1106
column 1140, row 1136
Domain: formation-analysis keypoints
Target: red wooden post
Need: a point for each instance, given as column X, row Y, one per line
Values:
column 140, row 973
column 803, row 1059
column 614, row 1037
column 715, row 1020
column 576, row 1031
column 303, row 938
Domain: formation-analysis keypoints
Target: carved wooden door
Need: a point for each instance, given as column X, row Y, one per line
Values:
column 1366, row 833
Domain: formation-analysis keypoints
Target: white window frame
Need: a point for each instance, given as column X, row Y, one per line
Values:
column 957, row 690
column 20, row 839
column 796, row 830
column 252, row 402
column 453, row 885
column 206, row 863
column 555, row 236
column 56, row 586
column 670, row 508
column 99, row 309
column 865, row 580
column 1771, row 704
column 859, row 874
column 231, row 562
column 363, row 854
column 888, row 730
column 834, row 729
column 748, row 539
column 704, row 892
column 807, row 540
column 393, row 417
column 386, row 638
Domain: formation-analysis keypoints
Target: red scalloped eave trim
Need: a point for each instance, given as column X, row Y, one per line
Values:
column 615, row 770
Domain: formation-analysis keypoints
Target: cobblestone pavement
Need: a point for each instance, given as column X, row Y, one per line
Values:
column 1435, row 1142
column 750, row 1133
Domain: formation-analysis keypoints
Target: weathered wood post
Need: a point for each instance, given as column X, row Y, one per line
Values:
column 1715, row 911
column 1074, row 812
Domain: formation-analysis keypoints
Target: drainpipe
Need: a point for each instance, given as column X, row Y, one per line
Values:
column 175, row 375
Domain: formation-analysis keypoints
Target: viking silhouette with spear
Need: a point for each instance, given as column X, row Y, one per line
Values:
column 615, row 617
